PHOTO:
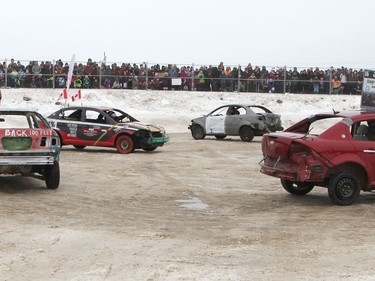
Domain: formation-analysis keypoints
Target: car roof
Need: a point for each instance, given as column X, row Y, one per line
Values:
column 242, row 104
column 354, row 114
column 19, row 110
column 90, row 107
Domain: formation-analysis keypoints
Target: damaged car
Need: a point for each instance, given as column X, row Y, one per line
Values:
column 332, row 150
column 29, row 146
column 241, row 120
column 102, row 126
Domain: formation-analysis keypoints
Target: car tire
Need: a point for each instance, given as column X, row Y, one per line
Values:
column 80, row 147
column 246, row 134
column 220, row 137
column 197, row 132
column 344, row 189
column 124, row 144
column 297, row 188
column 52, row 175
column 150, row 148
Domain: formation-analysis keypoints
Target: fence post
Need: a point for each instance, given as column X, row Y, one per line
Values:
column 330, row 80
column 238, row 78
column 6, row 74
column 53, row 74
column 100, row 75
column 146, row 65
column 192, row 77
column 284, row 90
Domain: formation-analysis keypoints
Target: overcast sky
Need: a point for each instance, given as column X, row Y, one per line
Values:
column 272, row 33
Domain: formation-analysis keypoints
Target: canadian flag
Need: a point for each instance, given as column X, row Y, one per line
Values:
column 63, row 95
column 77, row 96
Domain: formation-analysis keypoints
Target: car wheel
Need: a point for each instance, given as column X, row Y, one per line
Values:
column 344, row 189
column 246, row 134
column 150, row 148
column 220, row 137
column 197, row 132
column 79, row 146
column 297, row 188
column 124, row 144
column 52, row 175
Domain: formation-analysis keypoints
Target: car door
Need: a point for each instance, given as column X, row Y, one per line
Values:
column 215, row 121
column 234, row 119
column 93, row 129
column 66, row 122
column 365, row 148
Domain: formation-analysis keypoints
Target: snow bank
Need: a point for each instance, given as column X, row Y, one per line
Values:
column 175, row 109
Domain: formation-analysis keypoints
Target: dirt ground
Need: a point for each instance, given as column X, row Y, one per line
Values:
column 191, row 210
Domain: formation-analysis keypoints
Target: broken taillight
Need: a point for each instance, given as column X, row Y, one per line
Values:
column 297, row 150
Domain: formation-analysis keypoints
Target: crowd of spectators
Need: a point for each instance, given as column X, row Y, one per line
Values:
column 93, row 75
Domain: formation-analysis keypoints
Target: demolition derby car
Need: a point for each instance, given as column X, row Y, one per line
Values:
column 241, row 120
column 29, row 146
column 83, row 126
column 333, row 150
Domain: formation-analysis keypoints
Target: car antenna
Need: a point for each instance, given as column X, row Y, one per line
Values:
column 334, row 111
column 307, row 133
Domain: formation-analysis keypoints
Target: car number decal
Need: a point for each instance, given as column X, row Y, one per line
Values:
column 26, row 133
column 90, row 132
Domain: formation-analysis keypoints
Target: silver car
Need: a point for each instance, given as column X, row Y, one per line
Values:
column 241, row 120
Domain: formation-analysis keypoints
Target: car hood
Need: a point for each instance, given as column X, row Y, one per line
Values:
column 143, row 126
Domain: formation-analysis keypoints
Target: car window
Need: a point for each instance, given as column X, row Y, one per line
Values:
column 220, row 111
column 35, row 122
column 364, row 130
column 93, row 116
column 321, row 125
column 241, row 110
column 70, row 114
column 232, row 110
column 256, row 109
column 15, row 121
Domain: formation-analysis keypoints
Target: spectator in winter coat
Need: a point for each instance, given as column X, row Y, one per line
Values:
column 271, row 86
column 315, row 83
column 336, row 85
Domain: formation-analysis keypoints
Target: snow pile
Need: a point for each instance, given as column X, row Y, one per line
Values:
column 174, row 109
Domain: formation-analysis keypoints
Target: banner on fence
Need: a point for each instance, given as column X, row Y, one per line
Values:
column 368, row 90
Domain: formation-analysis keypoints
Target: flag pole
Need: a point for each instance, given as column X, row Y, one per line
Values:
column 70, row 74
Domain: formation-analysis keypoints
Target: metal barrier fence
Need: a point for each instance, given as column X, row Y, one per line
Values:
column 229, row 78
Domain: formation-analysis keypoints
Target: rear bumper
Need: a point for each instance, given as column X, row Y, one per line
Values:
column 278, row 173
column 27, row 159
column 300, row 173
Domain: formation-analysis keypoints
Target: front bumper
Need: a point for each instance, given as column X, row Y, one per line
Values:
column 158, row 140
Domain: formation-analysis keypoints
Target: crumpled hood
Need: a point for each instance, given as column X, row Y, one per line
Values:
column 143, row 126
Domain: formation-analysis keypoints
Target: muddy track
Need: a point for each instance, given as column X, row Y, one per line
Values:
column 191, row 210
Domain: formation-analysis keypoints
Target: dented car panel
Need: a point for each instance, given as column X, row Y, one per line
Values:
column 339, row 157
column 29, row 146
